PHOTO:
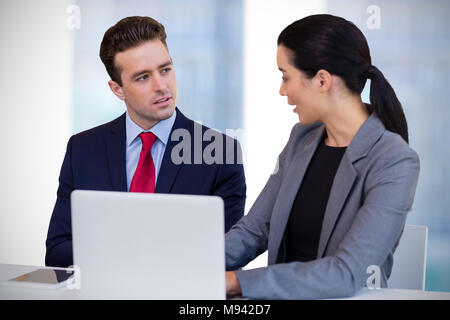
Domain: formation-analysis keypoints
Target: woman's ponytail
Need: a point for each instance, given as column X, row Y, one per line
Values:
column 334, row 44
column 385, row 103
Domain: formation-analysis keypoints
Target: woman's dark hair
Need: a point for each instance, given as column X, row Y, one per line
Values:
column 334, row 44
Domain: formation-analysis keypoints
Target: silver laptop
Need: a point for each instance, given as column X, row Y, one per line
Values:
column 148, row 246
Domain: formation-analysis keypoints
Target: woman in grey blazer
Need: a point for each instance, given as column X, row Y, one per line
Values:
column 335, row 208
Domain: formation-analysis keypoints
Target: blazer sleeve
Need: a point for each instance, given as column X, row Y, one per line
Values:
column 377, row 227
column 249, row 237
column 230, row 184
column 59, row 236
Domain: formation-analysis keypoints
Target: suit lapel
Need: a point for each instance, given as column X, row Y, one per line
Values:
column 367, row 135
column 288, row 191
column 168, row 171
column 342, row 184
column 115, row 148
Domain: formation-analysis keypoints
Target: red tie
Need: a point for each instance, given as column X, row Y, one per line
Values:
column 144, row 177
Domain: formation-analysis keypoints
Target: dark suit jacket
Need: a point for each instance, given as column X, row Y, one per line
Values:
column 95, row 160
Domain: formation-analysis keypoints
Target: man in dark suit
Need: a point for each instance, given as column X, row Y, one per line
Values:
column 152, row 147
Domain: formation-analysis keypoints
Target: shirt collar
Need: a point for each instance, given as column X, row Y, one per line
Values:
column 161, row 130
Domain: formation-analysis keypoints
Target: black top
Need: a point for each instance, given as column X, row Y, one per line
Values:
column 305, row 221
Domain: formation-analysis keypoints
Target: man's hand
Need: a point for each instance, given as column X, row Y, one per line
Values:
column 232, row 284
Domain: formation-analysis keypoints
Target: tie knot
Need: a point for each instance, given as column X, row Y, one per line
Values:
column 147, row 138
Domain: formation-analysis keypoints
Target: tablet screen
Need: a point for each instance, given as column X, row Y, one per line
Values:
column 45, row 276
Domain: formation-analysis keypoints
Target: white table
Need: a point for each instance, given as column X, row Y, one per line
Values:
column 8, row 271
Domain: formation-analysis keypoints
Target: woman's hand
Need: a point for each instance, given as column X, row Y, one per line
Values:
column 232, row 284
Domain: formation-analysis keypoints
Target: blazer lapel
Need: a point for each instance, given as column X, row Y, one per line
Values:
column 342, row 184
column 168, row 171
column 288, row 191
column 367, row 135
column 115, row 148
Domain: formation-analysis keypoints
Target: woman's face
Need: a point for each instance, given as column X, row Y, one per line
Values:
column 300, row 91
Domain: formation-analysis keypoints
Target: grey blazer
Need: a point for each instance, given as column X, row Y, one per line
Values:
column 372, row 192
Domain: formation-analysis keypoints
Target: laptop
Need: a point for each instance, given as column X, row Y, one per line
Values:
column 148, row 246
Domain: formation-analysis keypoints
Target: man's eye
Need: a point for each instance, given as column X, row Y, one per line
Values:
column 144, row 77
column 165, row 70
column 284, row 79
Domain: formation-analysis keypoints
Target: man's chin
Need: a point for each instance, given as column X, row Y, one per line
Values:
column 166, row 113
column 162, row 113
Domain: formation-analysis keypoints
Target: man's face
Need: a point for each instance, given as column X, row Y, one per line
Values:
column 149, row 86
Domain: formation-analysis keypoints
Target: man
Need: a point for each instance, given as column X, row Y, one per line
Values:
column 137, row 152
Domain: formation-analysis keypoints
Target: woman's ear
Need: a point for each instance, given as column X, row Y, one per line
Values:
column 324, row 80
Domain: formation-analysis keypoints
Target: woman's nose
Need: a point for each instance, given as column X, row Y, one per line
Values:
column 282, row 90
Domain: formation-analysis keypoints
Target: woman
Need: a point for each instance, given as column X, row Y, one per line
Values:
column 345, row 181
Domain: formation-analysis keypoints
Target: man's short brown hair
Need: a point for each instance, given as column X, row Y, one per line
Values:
column 128, row 33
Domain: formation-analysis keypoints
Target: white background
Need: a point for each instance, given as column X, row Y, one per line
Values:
column 35, row 64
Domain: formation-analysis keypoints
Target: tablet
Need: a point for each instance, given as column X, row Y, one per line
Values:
column 43, row 278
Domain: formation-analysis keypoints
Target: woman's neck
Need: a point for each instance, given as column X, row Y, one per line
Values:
column 344, row 122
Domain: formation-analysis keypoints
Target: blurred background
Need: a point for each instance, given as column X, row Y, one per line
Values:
column 53, row 85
